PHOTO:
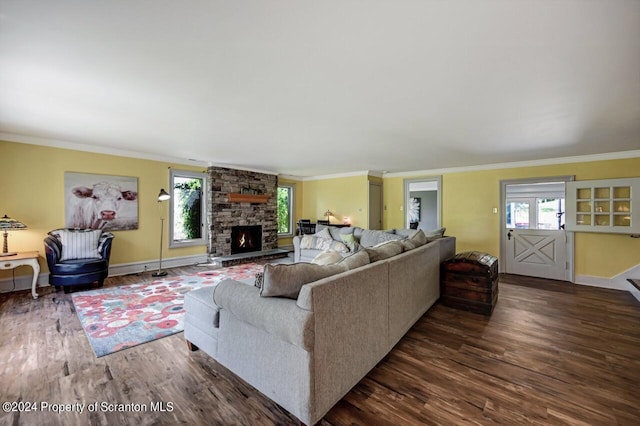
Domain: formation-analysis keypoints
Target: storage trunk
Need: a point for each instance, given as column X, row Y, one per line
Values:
column 469, row 281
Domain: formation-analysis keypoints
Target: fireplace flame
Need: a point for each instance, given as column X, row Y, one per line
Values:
column 242, row 241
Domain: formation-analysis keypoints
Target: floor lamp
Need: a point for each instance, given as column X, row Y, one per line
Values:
column 162, row 196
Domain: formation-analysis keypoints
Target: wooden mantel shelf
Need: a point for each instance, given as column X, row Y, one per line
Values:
column 247, row 198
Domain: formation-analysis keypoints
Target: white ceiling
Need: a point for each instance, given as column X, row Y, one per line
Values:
column 319, row 87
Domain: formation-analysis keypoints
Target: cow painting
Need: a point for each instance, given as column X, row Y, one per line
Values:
column 108, row 204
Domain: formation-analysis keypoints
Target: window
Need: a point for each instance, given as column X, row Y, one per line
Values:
column 188, row 209
column 285, row 210
column 535, row 213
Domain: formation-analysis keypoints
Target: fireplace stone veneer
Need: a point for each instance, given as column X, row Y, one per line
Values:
column 224, row 214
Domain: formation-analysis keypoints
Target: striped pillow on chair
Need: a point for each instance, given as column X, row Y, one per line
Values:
column 80, row 244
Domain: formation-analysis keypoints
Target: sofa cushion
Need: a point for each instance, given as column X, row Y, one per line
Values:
column 323, row 233
column 384, row 250
column 337, row 233
column 327, row 257
column 320, row 227
column 371, row 237
column 435, row 234
column 355, row 260
column 349, row 240
column 81, row 266
column 407, row 233
column 317, row 243
column 419, row 239
column 79, row 244
column 200, row 306
column 408, row 244
column 287, row 280
column 385, row 236
column 279, row 317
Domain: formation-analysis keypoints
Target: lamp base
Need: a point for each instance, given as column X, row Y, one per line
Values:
column 8, row 254
column 159, row 274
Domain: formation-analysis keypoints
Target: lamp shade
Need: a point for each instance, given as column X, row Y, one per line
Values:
column 163, row 195
column 7, row 223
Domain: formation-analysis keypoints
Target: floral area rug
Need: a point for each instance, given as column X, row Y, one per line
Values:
column 122, row 317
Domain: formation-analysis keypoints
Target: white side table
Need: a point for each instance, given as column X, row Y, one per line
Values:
column 25, row 258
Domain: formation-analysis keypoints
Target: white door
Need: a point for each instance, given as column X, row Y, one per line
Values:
column 535, row 239
column 537, row 253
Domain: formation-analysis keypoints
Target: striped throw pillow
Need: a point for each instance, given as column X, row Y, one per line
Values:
column 80, row 244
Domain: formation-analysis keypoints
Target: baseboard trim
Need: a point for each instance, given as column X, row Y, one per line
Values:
column 23, row 282
column 618, row 282
column 138, row 267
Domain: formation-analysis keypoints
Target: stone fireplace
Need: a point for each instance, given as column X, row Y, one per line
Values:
column 241, row 198
column 245, row 239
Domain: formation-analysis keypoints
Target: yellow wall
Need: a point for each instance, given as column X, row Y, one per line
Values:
column 469, row 197
column 344, row 196
column 34, row 193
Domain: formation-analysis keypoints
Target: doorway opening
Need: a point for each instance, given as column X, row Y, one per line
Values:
column 423, row 203
column 533, row 240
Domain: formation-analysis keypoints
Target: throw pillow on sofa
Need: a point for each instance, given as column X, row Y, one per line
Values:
column 384, row 250
column 327, row 257
column 408, row 244
column 337, row 233
column 355, row 260
column 350, row 241
column 407, row 233
column 324, row 233
column 372, row 237
column 317, row 243
column 419, row 239
column 287, row 280
column 435, row 234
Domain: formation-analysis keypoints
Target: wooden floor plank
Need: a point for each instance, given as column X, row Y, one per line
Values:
column 552, row 353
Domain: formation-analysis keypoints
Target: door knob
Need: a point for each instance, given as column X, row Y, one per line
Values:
column 509, row 235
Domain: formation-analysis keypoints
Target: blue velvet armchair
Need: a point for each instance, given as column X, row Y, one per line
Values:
column 77, row 256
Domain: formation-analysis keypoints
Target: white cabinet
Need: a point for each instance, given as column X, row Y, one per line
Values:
column 603, row 206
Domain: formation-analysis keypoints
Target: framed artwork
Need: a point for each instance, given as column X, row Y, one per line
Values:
column 414, row 210
column 100, row 201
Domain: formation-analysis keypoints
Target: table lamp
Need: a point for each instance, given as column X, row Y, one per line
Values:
column 6, row 223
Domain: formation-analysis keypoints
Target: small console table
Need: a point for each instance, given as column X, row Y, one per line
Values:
column 25, row 258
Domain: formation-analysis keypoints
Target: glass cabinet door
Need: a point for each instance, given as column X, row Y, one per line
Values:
column 603, row 206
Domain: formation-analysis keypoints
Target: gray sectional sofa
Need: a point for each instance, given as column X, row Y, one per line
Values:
column 305, row 351
column 364, row 238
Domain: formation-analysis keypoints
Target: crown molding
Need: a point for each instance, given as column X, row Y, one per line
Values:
column 291, row 177
column 513, row 165
column 54, row 143
column 337, row 175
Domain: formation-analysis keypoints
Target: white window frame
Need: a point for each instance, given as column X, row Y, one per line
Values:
column 204, row 234
column 291, row 188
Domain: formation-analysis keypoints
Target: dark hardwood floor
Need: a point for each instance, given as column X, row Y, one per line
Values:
column 551, row 353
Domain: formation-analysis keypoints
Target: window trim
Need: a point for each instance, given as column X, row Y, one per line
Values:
column 291, row 188
column 204, row 239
